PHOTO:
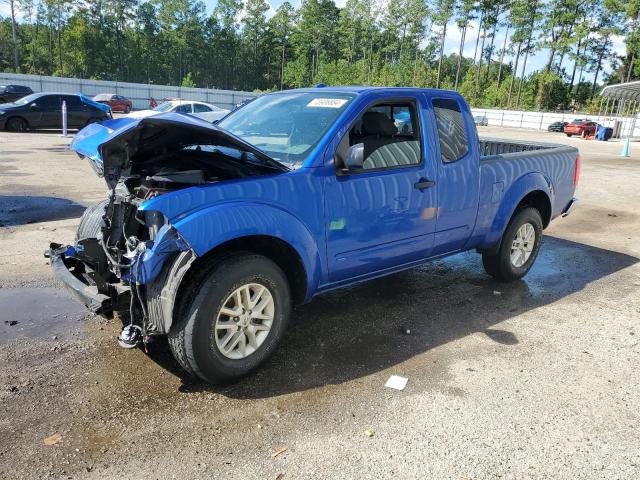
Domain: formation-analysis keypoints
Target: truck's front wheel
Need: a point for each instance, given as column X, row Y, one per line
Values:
column 233, row 320
column 518, row 249
column 91, row 221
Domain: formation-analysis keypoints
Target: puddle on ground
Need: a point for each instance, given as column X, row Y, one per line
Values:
column 40, row 313
column 25, row 209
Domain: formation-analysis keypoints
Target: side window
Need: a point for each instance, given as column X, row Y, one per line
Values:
column 184, row 108
column 389, row 134
column 72, row 101
column 49, row 101
column 10, row 89
column 451, row 129
column 200, row 108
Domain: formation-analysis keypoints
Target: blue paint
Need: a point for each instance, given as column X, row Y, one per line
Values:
column 98, row 105
column 350, row 228
column 147, row 263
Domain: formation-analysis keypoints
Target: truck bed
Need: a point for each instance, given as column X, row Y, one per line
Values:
column 491, row 147
column 503, row 164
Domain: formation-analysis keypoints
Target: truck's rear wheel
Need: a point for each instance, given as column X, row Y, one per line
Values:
column 234, row 319
column 91, row 221
column 518, row 249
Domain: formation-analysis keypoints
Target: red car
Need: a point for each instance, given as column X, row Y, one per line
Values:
column 118, row 103
column 581, row 127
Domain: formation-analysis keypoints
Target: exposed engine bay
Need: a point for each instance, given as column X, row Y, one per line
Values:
column 130, row 249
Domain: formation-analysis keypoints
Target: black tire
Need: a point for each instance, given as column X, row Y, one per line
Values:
column 569, row 134
column 500, row 266
column 127, row 109
column 17, row 124
column 91, row 221
column 192, row 337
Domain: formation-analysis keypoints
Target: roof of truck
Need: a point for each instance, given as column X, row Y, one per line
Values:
column 362, row 88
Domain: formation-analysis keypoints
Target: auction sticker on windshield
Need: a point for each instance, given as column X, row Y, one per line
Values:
column 327, row 102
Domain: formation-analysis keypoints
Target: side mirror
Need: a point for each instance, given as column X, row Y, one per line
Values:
column 354, row 159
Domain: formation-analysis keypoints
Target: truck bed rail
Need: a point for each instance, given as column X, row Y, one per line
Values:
column 494, row 146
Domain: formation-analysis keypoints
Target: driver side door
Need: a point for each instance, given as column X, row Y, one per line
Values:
column 382, row 215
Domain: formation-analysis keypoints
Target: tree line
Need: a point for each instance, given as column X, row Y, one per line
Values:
column 394, row 43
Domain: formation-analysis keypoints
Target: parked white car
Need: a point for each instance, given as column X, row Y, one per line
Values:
column 206, row 111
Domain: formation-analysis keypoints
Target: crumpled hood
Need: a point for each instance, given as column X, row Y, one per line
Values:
column 110, row 144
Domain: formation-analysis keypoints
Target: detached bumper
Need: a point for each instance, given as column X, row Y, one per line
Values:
column 567, row 210
column 88, row 295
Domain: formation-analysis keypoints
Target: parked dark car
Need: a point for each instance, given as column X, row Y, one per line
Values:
column 117, row 103
column 11, row 93
column 557, row 127
column 44, row 110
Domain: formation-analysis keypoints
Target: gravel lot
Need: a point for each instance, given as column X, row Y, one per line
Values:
column 536, row 379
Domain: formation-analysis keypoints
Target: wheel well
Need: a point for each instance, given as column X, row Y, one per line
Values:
column 540, row 201
column 17, row 116
column 279, row 251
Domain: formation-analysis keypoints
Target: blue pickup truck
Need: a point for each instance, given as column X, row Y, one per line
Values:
column 211, row 233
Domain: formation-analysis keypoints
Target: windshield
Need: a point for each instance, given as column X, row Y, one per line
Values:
column 28, row 99
column 164, row 107
column 286, row 126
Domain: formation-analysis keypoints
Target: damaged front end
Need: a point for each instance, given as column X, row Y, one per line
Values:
column 125, row 274
column 132, row 260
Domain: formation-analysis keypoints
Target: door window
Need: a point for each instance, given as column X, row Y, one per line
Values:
column 451, row 129
column 72, row 101
column 390, row 135
column 184, row 108
column 48, row 101
column 200, row 108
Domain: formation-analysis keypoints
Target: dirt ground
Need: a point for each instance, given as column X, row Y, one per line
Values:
column 536, row 379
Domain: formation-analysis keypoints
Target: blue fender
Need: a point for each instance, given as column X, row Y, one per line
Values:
column 210, row 227
column 519, row 189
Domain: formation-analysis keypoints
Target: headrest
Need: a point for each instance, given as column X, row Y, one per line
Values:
column 377, row 123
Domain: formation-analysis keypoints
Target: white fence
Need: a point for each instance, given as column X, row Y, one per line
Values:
column 141, row 94
column 138, row 93
column 541, row 120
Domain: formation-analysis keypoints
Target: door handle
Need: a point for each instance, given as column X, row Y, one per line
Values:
column 423, row 183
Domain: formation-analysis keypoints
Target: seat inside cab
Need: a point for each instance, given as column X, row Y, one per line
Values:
column 389, row 134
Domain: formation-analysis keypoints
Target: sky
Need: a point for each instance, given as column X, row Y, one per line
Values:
column 452, row 42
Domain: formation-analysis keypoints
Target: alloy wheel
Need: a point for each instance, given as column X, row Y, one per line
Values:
column 244, row 321
column 523, row 244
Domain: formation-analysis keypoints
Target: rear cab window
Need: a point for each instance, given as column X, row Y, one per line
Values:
column 452, row 131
